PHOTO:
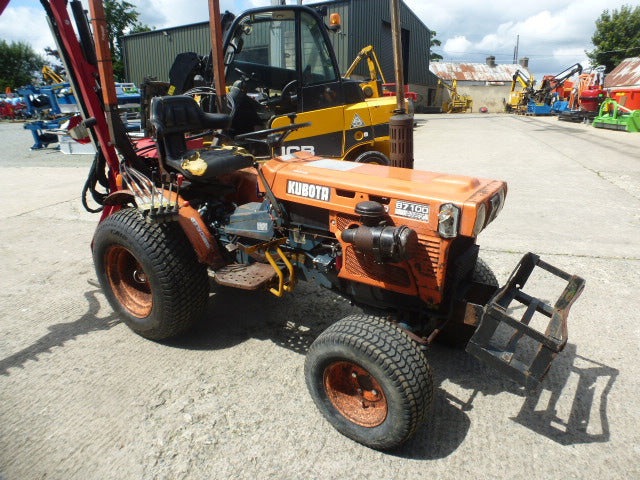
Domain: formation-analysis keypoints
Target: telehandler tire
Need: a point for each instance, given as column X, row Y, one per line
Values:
column 369, row 380
column 149, row 274
column 373, row 156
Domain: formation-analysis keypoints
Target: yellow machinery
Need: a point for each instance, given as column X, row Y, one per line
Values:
column 376, row 86
column 50, row 76
column 458, row 103
column 373, row 86
column 280, row 65
column 518, row 99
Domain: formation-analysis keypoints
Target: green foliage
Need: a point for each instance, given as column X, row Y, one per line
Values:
column 20, row 64
column 122, row 18
column 434, row 42
column 617, row 37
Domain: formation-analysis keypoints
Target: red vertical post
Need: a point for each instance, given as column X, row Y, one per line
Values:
column 105, row 67
column 215, row 27
column 3, row 5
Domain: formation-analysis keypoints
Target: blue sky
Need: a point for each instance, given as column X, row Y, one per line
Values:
column 553, row 33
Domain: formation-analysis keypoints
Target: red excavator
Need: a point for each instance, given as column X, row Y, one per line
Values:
column 586, row 97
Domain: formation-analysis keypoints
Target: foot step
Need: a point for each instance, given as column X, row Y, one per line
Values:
column 246, row 277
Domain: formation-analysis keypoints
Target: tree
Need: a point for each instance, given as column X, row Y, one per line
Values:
column 122, row 19
column 20, row 64
column 617, row 36
column 434, row 42
column 56, row 64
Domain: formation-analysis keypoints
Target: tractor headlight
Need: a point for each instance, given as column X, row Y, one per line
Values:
column 448, row 220
column 481, row 216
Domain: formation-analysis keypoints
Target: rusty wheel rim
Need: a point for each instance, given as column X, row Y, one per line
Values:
column 356, row 394
column 129, row 282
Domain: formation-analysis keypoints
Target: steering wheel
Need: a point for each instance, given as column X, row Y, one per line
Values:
column 287, row 94
column 246, row 77
column 273, row 137
column 270, row 131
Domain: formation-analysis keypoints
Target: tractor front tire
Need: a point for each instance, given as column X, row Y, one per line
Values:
column 150, row 274
column 482, row 273
column 369, row 380
column 456, row 334
column 373, row 156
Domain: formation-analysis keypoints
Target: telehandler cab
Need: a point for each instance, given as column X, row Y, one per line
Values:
column 279, row 61
column 399, row 243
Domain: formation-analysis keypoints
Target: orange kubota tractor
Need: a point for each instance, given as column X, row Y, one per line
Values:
column 399, row 243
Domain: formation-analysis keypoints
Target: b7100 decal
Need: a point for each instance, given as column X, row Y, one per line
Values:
column 416, row 211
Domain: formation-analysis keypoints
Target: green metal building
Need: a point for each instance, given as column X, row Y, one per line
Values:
column 364, row 22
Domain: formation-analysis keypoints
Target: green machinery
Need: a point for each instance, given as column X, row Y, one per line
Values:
column 614, row 116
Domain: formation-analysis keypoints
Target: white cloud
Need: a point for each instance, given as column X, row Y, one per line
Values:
column 553, row 33
column 457, row 46
column 469, row 30
column 26, row 24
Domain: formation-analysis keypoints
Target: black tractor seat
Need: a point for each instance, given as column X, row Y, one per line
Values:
column 172, row 117
column 209, row 163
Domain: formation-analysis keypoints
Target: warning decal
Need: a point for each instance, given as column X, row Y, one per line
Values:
column 357, row 121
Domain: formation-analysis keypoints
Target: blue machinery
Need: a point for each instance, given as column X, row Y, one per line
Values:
column 58, row 103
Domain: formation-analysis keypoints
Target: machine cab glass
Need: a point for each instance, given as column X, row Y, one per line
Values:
column 282, row 64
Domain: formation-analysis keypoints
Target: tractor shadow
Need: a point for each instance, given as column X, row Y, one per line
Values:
column 61, row 333
column 570, row 407
column 293, row 321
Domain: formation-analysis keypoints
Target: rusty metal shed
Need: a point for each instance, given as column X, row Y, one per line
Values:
column 488, row 84
column 475, row 72
column 627, row 74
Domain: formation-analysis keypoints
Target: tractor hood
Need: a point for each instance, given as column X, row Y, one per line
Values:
column 411, row 197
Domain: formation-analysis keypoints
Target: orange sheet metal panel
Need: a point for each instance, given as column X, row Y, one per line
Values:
column 339, row 186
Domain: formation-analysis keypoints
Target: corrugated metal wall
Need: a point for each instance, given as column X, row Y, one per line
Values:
column 341, row 40
column 368, row 22
column 364, row 22
column 152, row 53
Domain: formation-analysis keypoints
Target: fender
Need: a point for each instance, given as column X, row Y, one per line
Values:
column 205, row 245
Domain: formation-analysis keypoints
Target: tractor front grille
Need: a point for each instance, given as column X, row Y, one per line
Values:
column 429, row 256
column 427, row 261
column 362, row 265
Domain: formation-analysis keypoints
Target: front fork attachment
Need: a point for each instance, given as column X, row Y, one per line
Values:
column 530, row 368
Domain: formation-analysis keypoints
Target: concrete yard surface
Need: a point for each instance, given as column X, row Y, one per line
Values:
column 82, row 397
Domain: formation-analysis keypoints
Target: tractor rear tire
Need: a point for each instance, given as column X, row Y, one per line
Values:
column 150, row 274
column 369, row 380
column 373, row 156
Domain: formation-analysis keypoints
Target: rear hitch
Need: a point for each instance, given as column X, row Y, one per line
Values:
column 525, row 367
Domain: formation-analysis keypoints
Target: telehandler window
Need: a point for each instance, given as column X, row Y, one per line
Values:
column 317, row 66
